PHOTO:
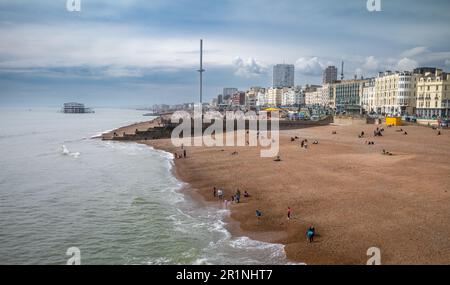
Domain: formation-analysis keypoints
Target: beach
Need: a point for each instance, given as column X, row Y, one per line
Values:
column 355, row 197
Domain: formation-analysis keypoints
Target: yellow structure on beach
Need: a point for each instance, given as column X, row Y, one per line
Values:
column 394, row 121
column 273, row 110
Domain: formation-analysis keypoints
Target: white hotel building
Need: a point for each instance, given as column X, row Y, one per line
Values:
column 319, row 96
column 293, row 97
column 395, row 93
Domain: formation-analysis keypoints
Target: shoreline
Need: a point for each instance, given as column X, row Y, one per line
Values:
column 340, row 187
column 233, row 225
column 199, row 199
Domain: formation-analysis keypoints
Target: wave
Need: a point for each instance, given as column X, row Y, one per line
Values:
column 65, row 151
column 188, row 219
column 99, row 135
column 245, row 243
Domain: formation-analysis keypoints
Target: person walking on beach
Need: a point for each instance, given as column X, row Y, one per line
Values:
column 238, row 196
column 311, row 233
column 289, row 213
column 215, row 192
column 220, row 194
column 184, row 153
column 258, row 214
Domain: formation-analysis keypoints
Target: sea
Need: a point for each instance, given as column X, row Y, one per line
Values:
column 117, row 203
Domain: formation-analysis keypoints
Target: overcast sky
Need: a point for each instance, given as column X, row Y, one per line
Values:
column 137, row 53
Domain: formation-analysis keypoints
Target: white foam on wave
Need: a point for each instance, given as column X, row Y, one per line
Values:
column 99, row 135
column 201, row 261
column 212, row 219
column 65, row 151
column 246, row 243
column 160, row 261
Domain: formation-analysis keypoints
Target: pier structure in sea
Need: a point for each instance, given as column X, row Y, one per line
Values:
column 76, row 108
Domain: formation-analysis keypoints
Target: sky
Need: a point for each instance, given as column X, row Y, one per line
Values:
column 138, row 53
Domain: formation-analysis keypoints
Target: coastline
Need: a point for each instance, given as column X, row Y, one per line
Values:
column 336, row 187
column 202, row 199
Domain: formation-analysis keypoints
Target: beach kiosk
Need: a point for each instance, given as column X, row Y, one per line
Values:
column 272, row 110
column 394, row 121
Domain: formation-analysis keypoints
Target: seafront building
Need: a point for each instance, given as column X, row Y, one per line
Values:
column 283, row 76
column 395, row 93
column 368, row 96
column 261, row 99
column 319, row 96
column 251, row 97
column 347, row 95
column 274, row 96
column 293, row 97
column 311, row 95
column 433, row 95
column 238, row 99
column 423, row 92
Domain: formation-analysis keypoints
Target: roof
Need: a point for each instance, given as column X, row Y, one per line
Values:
column 272, row 110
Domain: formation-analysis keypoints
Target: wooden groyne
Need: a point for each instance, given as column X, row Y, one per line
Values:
column 162, row 129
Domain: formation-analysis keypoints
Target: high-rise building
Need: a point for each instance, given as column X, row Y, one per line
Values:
column 283, row 75
column 330, row 75
column 220, row 99
column 229, row 92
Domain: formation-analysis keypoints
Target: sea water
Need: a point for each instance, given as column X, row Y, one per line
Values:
column 118, row 203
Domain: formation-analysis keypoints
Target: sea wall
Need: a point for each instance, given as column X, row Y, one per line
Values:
column 428, row 122
column 349, row 120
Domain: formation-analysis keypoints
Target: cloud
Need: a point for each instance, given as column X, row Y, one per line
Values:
column 248, row 67
column 309, row 66
column 117, row 71
column 406, row 64
column 359, row 72
column 415, row 52
column 371, row 63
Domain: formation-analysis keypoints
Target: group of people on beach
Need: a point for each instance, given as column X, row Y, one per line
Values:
column 303, row 143
column 310, row 233
column 402, row 131
column 378, row 132
column 235, row 198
